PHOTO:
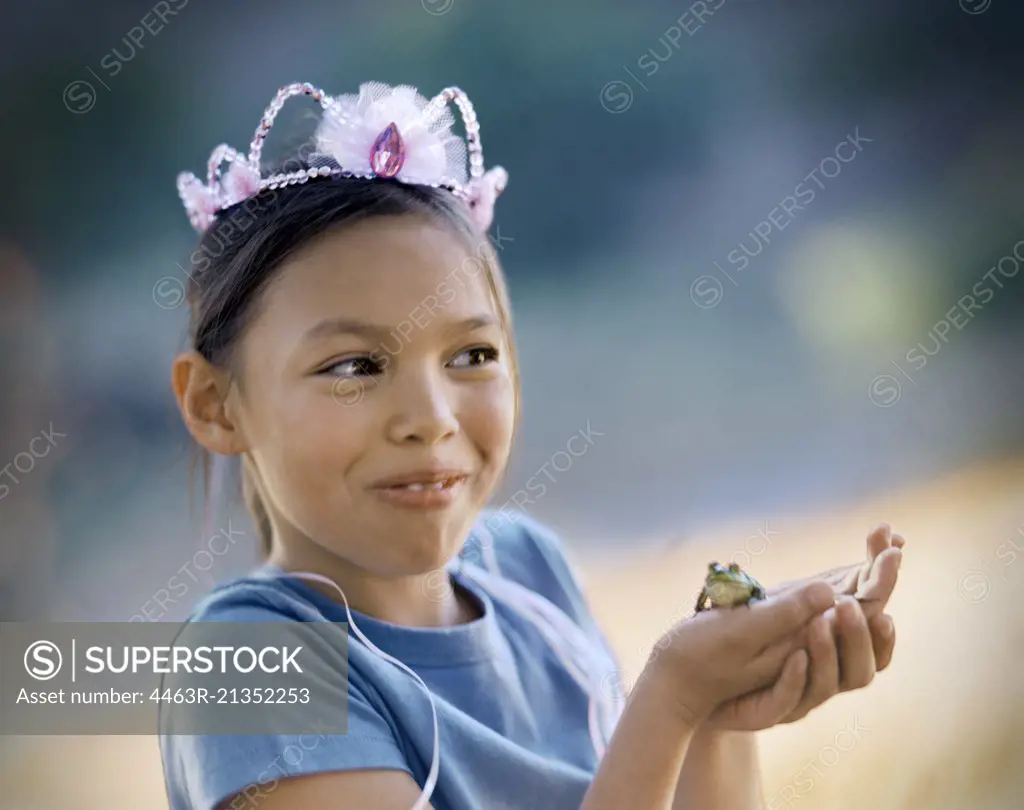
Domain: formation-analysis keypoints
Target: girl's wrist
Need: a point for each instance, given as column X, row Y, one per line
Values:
column 664, row 684
column 712, row 737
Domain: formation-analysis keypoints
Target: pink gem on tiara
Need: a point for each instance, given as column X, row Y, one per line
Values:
column 388, row 152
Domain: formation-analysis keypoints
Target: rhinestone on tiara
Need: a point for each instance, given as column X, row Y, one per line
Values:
column 380, row 132
column 387, row 153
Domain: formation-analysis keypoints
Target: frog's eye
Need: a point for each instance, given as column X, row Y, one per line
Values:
column 734, row 567
column 713, row 566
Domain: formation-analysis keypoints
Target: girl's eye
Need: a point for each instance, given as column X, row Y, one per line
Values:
column 363, row 366
column 476, row 357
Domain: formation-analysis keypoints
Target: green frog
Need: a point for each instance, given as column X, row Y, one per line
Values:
column 728, row 585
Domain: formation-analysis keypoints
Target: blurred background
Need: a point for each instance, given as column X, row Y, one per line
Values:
column 768, row 258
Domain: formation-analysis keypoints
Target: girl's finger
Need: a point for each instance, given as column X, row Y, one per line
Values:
column 879, row 585
column 772, row 620
column 839, row 574
column 844, row 579
column 841, row 580
column 856, row 652
column 788, row 690
column 879, row 540
column 883, row 638
column 898, row 540
column 823, row 677
column 764, row 707
column 766, row 666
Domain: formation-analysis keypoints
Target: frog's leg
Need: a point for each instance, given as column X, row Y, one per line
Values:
column 758, row 594
column 702, row 600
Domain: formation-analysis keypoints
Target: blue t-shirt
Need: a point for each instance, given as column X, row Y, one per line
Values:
column 513, row 722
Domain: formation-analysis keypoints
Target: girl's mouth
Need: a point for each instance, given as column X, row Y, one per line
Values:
column 423, row 495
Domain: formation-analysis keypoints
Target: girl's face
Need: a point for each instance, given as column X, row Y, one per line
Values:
column 377, row 354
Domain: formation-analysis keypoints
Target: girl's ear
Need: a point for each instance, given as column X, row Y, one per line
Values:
column 202, row 391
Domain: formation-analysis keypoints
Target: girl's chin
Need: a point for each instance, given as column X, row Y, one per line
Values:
column 403, row 542
column 422, row 551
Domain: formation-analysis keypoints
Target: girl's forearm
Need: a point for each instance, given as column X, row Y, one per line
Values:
column 642, row 763
column 721, row 770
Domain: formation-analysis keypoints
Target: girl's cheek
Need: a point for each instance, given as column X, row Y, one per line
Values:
column 489, row 412
column 325, row 421
column 351, row 392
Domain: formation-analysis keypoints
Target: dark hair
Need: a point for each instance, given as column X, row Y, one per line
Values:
column 241, row 251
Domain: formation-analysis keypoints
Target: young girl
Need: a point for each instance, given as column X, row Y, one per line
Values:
column 351, row 342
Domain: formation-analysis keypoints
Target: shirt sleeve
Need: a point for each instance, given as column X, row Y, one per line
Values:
column 202, row 771
column 207, row 769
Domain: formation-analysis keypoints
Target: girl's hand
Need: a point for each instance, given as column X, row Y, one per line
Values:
column 721, row 654
column 847, row 645
column 871, row 581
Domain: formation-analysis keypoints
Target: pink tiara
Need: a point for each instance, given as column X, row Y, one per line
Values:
column 383, row 131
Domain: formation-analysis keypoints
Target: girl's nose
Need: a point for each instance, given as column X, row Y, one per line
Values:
column 423, row 410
